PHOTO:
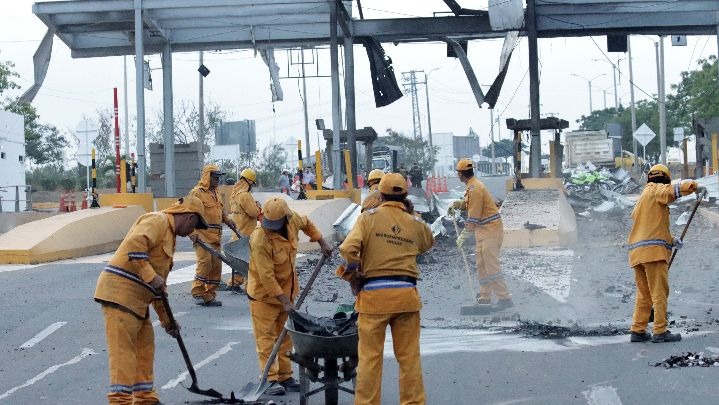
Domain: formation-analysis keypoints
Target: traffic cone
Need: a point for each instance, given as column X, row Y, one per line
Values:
column 444, row 184
column 84, row 204
column 63, row 204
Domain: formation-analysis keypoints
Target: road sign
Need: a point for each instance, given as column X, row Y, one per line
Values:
column 644, row 135
column 678, row 134
column 86, row 132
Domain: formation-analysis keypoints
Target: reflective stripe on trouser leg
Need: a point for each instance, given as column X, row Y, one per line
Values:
column 405, row 339
column 489, row 266
column 643, row 302
column 207, row 273
column 658, row 281
column 267, row 323
column 371, row 328
column 130, row 352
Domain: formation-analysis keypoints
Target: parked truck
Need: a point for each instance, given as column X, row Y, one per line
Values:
column 387, row 157
column 588, row 146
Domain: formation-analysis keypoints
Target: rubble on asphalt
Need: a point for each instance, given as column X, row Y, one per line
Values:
column 689, row 359
column 550, row 331
column 592, row 191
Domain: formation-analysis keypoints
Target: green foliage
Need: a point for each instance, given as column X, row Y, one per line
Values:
column 502, row 149
column 271, row 161
column 6, row 77
column 415, row 150
column 54, row 177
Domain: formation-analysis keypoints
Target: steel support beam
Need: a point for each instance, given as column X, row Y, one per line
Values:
column 350, row 104
column 336, row 118
column 140, row 96
column 535, row 151
column 473, row 83
column 168, row 122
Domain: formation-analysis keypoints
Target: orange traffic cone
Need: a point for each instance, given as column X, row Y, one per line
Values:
column 63, row 204
column 444, row 184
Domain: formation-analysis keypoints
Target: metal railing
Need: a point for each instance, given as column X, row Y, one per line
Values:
column 27, row 189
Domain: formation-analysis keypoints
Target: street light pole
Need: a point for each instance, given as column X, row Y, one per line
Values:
column 429, row 118
column 491, row 134
column 589, row 81
column 631, row 92
column 659, row 51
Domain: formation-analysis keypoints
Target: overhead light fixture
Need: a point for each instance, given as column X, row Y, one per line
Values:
column 204, row 71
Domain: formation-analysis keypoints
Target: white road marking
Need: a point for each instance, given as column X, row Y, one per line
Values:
column 156, row 323
column 214, row 356
column 187, row 273
column 85, row 353
column 602, row 395
column 95, row 259
column 42, row 335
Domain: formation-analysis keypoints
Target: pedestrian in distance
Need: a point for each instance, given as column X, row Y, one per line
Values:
column 284, row 182
column 208, row 272
column 380, row 255
column 272, row 285
column 650, row 248
column 484, row 223
column 244, row 211
column 134, row 278
column 416, row 176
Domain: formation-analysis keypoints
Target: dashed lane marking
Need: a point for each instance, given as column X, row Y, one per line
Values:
column 42, row 335
column 177, row 315
column 85, row 353
column 214, row 356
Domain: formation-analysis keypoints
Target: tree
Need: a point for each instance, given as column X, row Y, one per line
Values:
column 415, row 150
column 187, row 122
column 502, row 149
column 43, row 142
column 271, row 161
column 697, row 94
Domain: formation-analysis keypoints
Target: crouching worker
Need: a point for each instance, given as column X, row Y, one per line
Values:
column 134, row 278
column 272, row 285
column 650, row 247
column 381, row 262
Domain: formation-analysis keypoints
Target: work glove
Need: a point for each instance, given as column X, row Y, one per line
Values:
column 463, row 237
column 677, row 243
column 158, row 283
column 326, row 247
column 287, row 304
column 700, row 191
column 454, row 207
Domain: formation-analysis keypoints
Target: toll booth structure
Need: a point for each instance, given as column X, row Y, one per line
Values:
column 556, row 151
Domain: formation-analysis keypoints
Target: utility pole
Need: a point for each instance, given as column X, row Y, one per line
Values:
column 659, row 50
column 633, row 107
column 201, row 113
column 589, row 81
column 127, row 125
column 304, row 105
column 535, row 149
column 429, row 119
column 410, row 83
column 491, row 135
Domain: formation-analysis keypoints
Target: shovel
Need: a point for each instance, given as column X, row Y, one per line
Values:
column 252, row 391
column 466, row 263
column 192, row 388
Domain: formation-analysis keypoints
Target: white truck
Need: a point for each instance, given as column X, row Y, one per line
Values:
column 588, row 146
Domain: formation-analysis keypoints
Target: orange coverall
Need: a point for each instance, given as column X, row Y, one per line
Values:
column 209, row 268
column 386, row 242
column 244, row 210
column 650, row 247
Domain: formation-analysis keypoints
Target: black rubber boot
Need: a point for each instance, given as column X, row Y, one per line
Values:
column 666, row 337
column 504, row 304
column 640, row 337
column 275, row 389
column 290, row 385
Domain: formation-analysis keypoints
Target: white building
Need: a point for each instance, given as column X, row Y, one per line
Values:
column 445, row 156
column 12, row 159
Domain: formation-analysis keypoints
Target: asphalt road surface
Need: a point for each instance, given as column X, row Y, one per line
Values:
column 564, row 342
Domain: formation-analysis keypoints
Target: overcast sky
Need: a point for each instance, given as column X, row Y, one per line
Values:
column 239, row 81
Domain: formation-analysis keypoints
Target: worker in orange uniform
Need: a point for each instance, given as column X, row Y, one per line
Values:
column 135, row 277
column 244, row 210
column 209, row 268
column 485, row 224
column 272, row 284
column 381, row 253
column 373, row 199
column 650, row 247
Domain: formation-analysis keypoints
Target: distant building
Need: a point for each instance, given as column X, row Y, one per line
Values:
column 12, row 160
column 444, row 141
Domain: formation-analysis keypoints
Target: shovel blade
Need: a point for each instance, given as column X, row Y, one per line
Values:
column 252, row 392
column 208, row 393
column 683, row 219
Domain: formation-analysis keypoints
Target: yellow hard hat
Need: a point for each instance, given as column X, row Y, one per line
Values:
column 375, row 174
column 465, row 164
column 393, row 184
column 249, row 174
column 657, row 169
column 189, row 204
column 274, row 212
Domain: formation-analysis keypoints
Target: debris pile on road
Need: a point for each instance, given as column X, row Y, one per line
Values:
column 689, row 359
column 551, row 331
column 599, row 191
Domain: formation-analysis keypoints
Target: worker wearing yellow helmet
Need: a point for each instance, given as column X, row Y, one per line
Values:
column 209, row 268
column 373, row 199
column 650, row 247
column 380, row 254
column 245, row 211
column 484, row 222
